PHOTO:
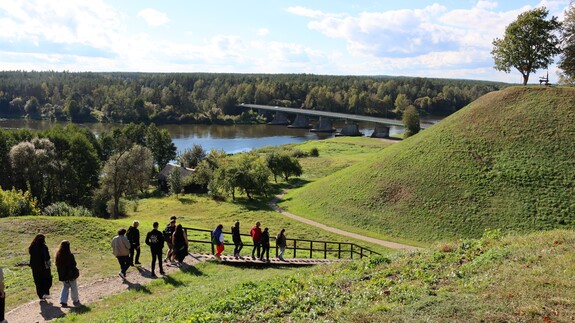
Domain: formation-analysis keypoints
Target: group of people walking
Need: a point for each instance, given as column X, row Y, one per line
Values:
column 66, row 266
column 126, row 246
column 261, row 241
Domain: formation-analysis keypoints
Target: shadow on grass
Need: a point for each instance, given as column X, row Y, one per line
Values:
column 172, row 281
column 191, row 270
column 137, row 287
column 80, row 309
column 186, row 200
column 49, row 311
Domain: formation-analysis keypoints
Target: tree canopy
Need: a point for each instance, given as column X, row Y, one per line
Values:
column 567, row 60
column 529, row 43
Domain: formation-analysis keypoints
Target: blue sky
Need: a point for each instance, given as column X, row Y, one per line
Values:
column 450, row 39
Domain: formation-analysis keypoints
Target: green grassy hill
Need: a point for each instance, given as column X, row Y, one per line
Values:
column 505, row 161
column 526, row 278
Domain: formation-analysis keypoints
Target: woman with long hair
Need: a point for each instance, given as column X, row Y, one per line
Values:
column 40, row 265
column 180, row 243
column 67, row 273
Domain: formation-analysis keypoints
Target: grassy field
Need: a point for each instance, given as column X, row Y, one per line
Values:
column 517, row 279
column 505, row 161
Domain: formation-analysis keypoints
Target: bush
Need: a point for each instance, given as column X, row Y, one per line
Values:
column 63, row 209
column 298, row 153
column 314, row 152
column 15, row 203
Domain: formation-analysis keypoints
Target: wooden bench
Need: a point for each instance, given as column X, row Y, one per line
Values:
column 544, row 80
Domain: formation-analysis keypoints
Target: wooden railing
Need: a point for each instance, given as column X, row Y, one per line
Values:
column 297, row 247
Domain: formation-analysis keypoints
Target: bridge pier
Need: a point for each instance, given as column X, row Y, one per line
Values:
column 324, row 125
column 350, row 129
column 280, row 118
column 301, row 121
column 380, row 132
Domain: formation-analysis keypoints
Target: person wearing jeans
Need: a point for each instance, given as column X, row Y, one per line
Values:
column 67, row 274
column 281, row 243
column 121, row 249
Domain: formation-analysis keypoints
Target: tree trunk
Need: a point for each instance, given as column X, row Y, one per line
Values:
column 525, row 78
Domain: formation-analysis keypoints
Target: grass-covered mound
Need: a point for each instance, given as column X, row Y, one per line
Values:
column 492, row 279
column 505, row 161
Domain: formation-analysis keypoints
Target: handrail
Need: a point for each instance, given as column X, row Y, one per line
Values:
column 325, row 247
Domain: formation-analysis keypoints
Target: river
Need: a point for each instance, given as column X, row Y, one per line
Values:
column 231, row 139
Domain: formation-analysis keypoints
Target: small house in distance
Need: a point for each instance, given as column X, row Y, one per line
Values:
column 166, row 171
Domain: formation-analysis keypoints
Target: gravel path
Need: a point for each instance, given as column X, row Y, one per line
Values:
column 41, row 311
column 388, row 244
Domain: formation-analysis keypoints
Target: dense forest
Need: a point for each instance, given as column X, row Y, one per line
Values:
column 212, row 98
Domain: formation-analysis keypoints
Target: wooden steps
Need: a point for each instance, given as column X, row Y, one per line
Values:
column 248, row 261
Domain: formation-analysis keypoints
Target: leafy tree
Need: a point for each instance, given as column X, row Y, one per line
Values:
column 567, row 60
column 411, row 121
column 401, row 103
column 125, row 173
column 160, row 143
column 175, row 182
column 32, row 106
column 192, row 157
column 529, row 43
column 283, row 165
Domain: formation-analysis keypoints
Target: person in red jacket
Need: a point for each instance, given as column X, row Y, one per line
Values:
column 256, row 233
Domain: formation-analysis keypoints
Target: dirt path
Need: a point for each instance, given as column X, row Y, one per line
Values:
column 40, row 311
column 388, row 244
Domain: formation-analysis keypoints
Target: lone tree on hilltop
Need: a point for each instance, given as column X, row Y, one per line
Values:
column 411, row 121
column 567, row 60
column 529, row 44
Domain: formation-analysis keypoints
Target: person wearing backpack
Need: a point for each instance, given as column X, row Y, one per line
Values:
column 155, row 239
column 133, row 236
column 67, row 274
column 168, row 233
column 218, row 240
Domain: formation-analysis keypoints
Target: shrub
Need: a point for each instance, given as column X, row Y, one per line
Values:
column 63, row 209
column 298, row 153
column 14, row 203
column 314, row 152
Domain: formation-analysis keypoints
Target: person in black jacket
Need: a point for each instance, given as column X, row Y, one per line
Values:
column 133, row 235
column 155, row 239
column 67, row 273
column 237, row 239
column 265, row 243
column 40, row 265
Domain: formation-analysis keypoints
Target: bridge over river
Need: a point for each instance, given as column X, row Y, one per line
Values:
column 302, row 120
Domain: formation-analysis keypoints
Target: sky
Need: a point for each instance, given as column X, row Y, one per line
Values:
column 446, row 39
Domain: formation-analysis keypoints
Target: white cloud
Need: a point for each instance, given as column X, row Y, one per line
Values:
column 154, row 17
column 263, row 31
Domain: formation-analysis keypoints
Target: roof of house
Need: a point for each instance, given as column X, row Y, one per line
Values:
column 184, row 171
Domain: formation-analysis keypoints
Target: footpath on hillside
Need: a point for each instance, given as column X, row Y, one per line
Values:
column 89, row 292
column 384, row 243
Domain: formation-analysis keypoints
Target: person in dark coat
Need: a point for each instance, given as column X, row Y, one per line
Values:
column 281, row 243
column 67, row 273
column 2, row 297
column 237, row 239
column 180, row 243
column 40, row 265
column 133, row 236
column 155, row 239
column 265, row 243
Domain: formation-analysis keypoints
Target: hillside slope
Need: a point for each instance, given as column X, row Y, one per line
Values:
column 505, row 161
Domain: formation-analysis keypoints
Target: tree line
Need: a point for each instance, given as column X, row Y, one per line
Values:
column 68, row 170
column 212, row 98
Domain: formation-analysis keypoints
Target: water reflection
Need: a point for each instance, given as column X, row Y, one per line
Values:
column 231, row 139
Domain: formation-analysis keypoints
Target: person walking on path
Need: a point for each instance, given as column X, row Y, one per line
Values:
column 2, row 297
column 265, row 243
column 281, row 243
column 133, row 235
column 168, row 233
column 155, row 239
column 40, row 265
column 218, row 240
column 256, row 233
column 180, row 243
column 237, row 239
column 67, row 273
column 121, row 249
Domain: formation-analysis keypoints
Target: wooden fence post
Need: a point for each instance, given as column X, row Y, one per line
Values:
column 325, row 250
column 310, row 249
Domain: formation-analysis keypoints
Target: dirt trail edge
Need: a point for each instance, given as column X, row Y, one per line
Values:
column 90, row 292
column 388, row 244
